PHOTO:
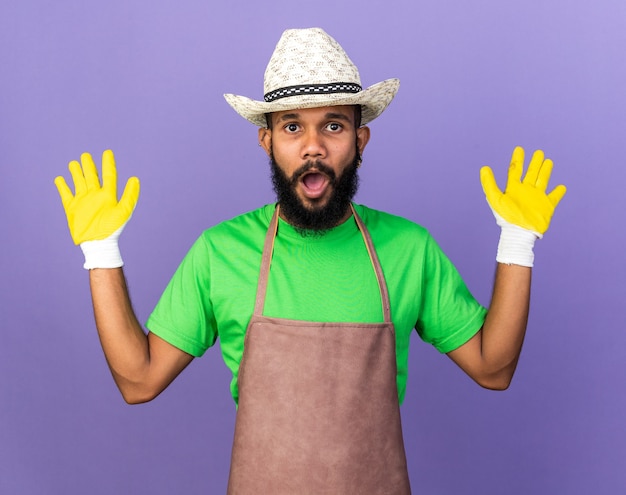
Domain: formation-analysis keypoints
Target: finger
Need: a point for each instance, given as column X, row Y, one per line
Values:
column 544, row 175
column 534, row 167
column 80, row 186
column 90, row 172
column 109, row 173
column 130, row 196
column 557, row 194
column 491, row 189
column 64, row 190
column 516, row 167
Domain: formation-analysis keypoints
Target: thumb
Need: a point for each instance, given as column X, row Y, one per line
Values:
column 64, row 191
column 490, row 188
column 130, row 196
column 557, row 194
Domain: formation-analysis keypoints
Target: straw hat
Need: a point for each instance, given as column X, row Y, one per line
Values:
column 309, row 69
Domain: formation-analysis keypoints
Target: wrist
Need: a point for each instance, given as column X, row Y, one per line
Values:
column 516, row 245
column 103, row 253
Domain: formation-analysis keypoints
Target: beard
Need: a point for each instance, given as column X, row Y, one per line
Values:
column 315, row 220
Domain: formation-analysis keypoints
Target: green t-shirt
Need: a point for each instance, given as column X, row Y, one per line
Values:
column 326, row 278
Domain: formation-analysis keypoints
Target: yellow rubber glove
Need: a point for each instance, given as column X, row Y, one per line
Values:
column 524, row 203
column 524, row 210
column 94, row 215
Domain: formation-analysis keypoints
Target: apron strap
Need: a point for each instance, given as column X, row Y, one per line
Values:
column 382, row 285
column 268, row 249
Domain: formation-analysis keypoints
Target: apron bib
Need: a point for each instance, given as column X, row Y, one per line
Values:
column 318, row 402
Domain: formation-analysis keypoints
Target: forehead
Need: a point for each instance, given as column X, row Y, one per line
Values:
column 340, row 111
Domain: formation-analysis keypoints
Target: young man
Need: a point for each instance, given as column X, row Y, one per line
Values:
column 313, row 298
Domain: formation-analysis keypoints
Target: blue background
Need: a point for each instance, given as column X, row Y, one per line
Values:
column 146, row 79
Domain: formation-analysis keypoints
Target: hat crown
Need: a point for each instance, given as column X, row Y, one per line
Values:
column 308, row 57
column 309, row 69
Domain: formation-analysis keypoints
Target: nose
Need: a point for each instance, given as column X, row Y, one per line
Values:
column 313, row 145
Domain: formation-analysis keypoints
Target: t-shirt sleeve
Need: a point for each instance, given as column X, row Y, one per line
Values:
column 449, row 314
column 183, row 316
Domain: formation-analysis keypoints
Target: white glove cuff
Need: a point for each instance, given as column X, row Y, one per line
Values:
column 104, row 253
column 516, row 244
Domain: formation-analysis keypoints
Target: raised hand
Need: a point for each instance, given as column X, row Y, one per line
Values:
column 524, row 203
column 94, row 215
column 93, row 211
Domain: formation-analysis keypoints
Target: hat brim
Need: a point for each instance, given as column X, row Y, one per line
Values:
column 373, row 101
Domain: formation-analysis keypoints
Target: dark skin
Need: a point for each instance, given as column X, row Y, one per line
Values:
column 331, row 140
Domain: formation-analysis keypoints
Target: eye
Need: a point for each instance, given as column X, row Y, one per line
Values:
column 291, row 127
column 334, row 127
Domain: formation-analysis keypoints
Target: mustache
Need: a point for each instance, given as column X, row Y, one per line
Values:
column 317, row 165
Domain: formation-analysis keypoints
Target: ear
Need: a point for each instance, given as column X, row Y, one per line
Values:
column 362, row 138
column 265, row 140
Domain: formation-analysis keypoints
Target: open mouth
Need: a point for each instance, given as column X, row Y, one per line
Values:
column 314, row 184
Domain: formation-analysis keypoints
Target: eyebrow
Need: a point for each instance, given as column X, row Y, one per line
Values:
column 338, row 116
column 288, row 116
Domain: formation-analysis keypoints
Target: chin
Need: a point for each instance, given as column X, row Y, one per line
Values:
column 316, row 204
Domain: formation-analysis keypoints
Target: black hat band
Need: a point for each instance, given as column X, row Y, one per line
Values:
column 341, row 87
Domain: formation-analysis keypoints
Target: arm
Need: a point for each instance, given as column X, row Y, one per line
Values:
column 523, row 212
column 490, row 357
column 142, row 365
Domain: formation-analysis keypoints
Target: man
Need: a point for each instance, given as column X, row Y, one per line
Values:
column 313, row 298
